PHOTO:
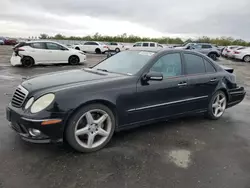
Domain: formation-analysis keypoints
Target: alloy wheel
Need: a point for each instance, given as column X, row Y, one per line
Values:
column 219, row 105
column 93, row 128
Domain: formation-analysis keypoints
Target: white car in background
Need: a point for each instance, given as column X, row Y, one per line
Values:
column 243, row 54
column 146, row 46
column 228, row 51
column 115, row 46
column 32, row 53
column 92, row 47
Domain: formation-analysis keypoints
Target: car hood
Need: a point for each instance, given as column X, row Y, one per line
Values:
column 63, row 78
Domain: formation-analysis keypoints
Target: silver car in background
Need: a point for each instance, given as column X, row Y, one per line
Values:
column 205, row 48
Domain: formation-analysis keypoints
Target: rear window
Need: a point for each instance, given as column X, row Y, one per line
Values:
column 152, row 44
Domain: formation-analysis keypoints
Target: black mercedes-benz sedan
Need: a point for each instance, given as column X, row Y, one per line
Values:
column 132, row 88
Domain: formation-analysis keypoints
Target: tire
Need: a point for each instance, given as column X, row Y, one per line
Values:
column 246, row 59
column 98, row 51
column 214, row 104
column 213, row 56
column 92, row 130
column 27, row 62
column 117, row 50
column 77, row 48
column 74, row 60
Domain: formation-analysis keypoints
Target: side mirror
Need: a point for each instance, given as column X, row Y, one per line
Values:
column 154, row 76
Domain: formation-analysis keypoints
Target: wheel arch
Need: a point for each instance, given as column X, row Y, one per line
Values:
column 73, row 55
column 245, row 56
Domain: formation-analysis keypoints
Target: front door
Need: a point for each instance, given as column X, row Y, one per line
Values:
column 157, row 99
column 56, row 53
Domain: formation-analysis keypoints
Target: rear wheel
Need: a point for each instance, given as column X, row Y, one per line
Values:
column 90, row 128
column 117, row 50
column 98, row 51
column 28, row 62
column 77, row 48
column 213, row 56
column 217, row 105
column 246, row 59
column 74, row 60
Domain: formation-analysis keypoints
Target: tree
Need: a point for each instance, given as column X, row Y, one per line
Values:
column 43, row 36
column 59, row 36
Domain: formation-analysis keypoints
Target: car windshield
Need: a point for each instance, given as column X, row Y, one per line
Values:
column 127, row 62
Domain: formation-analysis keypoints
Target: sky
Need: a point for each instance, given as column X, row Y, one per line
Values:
column 147, row 18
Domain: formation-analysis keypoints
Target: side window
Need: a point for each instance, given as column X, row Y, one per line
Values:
column 87, row 43
column 93, row 43
column 206, row 46
column 113, row 43
column 152, row 44
column 53, row 46
column 145, row 44
column 169, row 65
column 137, row 44
column 209, row 67
column 194, row 64
column 38, row 45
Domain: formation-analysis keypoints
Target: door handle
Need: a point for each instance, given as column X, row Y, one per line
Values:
column 182, row 84
column 213, row 80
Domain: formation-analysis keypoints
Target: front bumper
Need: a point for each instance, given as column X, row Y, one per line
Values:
column 235, row 96
column 22, row 125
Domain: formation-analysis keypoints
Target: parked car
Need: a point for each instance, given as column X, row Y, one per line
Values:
column 1, row 42
column 132, row 88
column 228, row 51
column 146, row 46
column 30, row 53
column 242, row 53
column 205, row 48
column 115, row 46
column 92, row 47
column 9, row 41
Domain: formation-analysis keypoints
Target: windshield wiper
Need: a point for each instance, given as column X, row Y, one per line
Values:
column 104, row 70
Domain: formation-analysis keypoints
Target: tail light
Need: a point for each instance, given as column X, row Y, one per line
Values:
column 16, row 50
column 105, row 46
column 236, row 52
column 228, row 51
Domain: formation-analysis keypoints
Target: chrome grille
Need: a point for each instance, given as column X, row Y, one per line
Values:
column 19, row 97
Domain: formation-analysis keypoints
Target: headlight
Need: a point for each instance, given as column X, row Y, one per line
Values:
column 29, row 103
column 42, row 103
column 82, row 52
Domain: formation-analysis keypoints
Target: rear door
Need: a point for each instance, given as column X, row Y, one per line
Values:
column 206, row 48
column 38, row 52
column 145, row 46
column 202, row 79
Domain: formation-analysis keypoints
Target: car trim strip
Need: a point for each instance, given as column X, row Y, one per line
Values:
column 167, row 103
column 237, row 92
column 38, row 120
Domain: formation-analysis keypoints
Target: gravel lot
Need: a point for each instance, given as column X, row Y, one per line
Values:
column 189, row 152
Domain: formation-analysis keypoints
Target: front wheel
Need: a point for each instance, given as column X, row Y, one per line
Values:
column 213, row 56
column 91, row 128
column 246, row 59
column 217, row 105
column 74, row 60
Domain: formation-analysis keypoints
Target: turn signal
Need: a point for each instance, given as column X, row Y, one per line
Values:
column 52, row 121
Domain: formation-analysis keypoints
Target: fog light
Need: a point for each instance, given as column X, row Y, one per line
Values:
column 34, row 132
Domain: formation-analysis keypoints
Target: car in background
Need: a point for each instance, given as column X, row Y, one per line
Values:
column 242, row 54
column 1, row 42
column 146, row 46
column 32, row 53
column 9, row 41
column 85, row 107
column 204, row 48
column 115, row 46
column 228, row 51
column 92, row 47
